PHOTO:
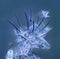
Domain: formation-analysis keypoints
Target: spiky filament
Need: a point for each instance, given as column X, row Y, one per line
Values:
column 32, row 37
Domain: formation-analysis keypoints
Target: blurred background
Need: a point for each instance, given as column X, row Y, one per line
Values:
column 10, row 8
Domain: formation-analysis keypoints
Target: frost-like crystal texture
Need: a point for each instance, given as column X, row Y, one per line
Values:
column 32, row 36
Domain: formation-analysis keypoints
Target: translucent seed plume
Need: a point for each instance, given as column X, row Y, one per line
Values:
column 33, row 36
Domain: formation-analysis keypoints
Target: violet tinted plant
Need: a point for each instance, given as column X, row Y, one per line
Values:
column 33, row 36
